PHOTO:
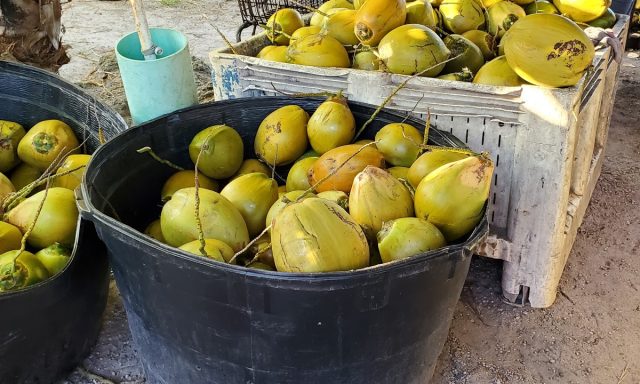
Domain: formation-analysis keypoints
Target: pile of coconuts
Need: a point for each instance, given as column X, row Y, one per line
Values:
column 344, row 203
column 492, row 42
column 39, row 170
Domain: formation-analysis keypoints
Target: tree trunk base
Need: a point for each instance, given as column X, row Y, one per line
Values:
column 41, row 54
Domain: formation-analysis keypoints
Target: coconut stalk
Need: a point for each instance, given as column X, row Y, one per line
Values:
column 203, row 244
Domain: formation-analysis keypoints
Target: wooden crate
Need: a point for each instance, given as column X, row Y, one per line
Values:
column 547, row 145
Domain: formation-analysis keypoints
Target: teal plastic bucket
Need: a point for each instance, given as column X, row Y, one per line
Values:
column 156, row 87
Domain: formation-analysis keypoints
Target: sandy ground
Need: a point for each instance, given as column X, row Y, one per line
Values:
column 93, row 27
column 590, row 335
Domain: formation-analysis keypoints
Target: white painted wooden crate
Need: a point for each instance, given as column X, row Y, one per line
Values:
column 547, row 145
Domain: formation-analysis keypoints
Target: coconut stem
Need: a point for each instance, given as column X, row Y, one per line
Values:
column 427, row 127
column 256, row 257
column 27, row 189
column 101, row 138
column 158, row 158
column 224, row 38
column 203, row 244
column 450, row 149
column 274, row 31
column 394, row 92
column 408, row 115
column 243, row 250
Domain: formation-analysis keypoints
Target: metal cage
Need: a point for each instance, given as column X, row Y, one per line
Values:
column 256, row 12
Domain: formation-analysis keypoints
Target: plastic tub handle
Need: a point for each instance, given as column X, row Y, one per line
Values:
column 81, row 202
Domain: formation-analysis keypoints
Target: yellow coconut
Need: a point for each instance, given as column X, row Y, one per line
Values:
column 6, row 187
column 282, row 24
column 429, row 162
column 421, row 12
column 297, row 178
column 465, row 75
column 154, row 230
column 44, row 142
column 317, row 235
column 339, row 24
column 222, row 151
column 251, row 166
column 498, row 72
column 252, row 195
column 54, row 258
column 399, row 143
column 220, row 219
column 10, row 135
column 305, row 31
column 331, row 125
column 582, row 11
column 377, row 196
column 453, row 196
column 358, row 3
column 318, row 18
column 260, row 266
column 460, row 16
column 213, row 249
column 284, row 200
column 276, row 53
column 56, row 222
column 523, row 2
column 77, row 165
column 606, row 20
column 186, row 179
column 541, row 6
column 484, row 41
column 282, row 135
column 376, row 18
column 464, row 54
column 355, row 158
column 10, row 237
column 338, row 197
column 367, row 60
column 501, row 16
column 27, row 270
column 412, row 49
column 407, row 237
column 546, row 49
column 399, row 172
column 488, row 3
column 23, row 175
column 262, row 252
column 319, row 50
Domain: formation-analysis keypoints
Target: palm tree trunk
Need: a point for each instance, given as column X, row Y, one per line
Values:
column 31, row 31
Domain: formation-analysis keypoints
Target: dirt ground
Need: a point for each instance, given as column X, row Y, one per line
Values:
column 590, row 335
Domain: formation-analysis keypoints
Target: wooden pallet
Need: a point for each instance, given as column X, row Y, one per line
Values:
column 547, row 145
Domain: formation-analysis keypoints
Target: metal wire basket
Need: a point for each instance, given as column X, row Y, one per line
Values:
column 256, row 12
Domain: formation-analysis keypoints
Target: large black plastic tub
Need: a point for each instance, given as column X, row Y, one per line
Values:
column 198, row 321
column 47, row 329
